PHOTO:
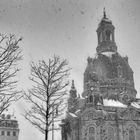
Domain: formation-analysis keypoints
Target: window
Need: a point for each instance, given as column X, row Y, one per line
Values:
column 2, row 133
column 108, row 35
column 91, row 133
column 131, row 134
column 14, row 133
column 90, row 116
column 120, row 71
column 91, row 99
column 8, row 133
column 91, row 130
column 111, row 133
column 101, row 39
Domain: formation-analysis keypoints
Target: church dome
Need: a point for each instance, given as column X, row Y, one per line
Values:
column 109, row 71
column 108, row 67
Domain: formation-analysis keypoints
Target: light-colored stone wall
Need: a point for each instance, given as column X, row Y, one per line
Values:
column 6, row 137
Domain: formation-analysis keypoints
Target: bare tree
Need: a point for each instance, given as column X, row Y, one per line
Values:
column 48, row 93
column 10, row 54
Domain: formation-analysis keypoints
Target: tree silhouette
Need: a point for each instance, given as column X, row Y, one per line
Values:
column 10, row 54
column 48, row 93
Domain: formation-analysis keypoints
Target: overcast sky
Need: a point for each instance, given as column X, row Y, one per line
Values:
column 68, row 28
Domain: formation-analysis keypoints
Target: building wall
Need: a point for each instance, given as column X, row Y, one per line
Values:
column 96, row 126
column 110, row 132
column 6, row 136
column 8, row 128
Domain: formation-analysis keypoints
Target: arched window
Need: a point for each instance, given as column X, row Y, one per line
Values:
column 120, row 71
column 91, row 130
column 100, row 37
column 108, row 35
column 131, row 134
column 111, row 133
column 90, row 98
column 90, row 116
column 91, row 133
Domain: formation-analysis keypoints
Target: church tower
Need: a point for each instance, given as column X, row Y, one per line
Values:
column 108, row 108
column 105, row 34
column 109, row 73
column 72, row 101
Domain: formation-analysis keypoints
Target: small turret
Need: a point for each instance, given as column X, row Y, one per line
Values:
column 72, row 101
column 73, row 91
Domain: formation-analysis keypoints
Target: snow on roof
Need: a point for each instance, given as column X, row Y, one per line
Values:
column 73, row 115
column 106, row 19
column 109, row 54
column 136, row 105
column 82, row 97
column 113, row 103
column 78, row 111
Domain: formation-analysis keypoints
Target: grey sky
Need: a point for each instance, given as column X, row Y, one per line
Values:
column 68, row 28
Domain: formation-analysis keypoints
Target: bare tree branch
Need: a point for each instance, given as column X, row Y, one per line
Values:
column 10, row 54
column 47, row 95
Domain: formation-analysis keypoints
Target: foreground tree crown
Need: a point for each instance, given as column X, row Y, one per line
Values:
column 10, row 54
column 48, row 93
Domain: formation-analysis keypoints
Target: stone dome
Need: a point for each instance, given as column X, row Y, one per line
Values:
column 111, row 69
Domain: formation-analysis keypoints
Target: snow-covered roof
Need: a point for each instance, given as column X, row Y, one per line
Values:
column 72, row 114
column 136, row 105
column 78, row 111
column 82, row 97
column 108, row 54
column 106, row 20
column 113, row 103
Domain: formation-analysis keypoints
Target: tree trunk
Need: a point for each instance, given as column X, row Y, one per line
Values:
column 46, row 130
column 46, row 134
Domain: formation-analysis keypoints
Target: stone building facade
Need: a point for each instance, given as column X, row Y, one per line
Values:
column 108, row 78
column 9, row 129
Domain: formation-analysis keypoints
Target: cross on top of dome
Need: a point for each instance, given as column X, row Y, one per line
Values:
column 105, row 19
column 104, row 13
